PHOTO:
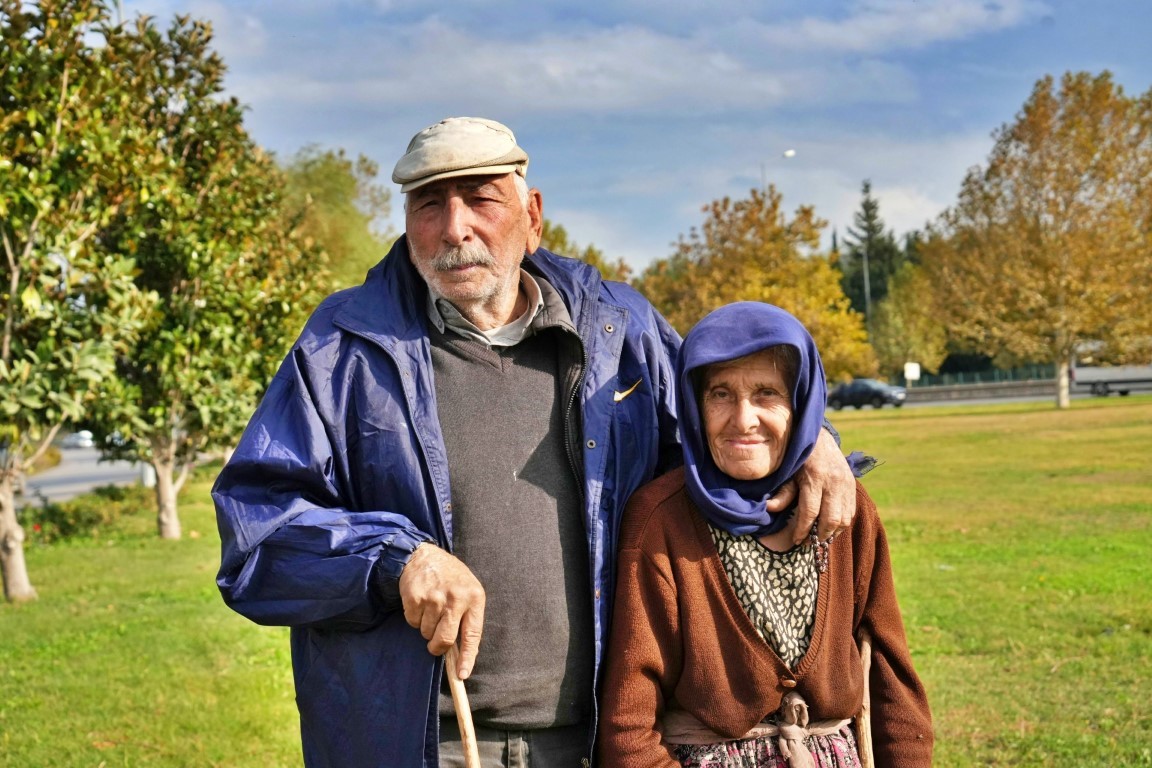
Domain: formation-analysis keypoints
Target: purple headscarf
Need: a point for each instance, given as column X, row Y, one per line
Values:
column 733, row 331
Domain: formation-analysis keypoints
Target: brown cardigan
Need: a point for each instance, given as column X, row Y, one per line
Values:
column 681, row 640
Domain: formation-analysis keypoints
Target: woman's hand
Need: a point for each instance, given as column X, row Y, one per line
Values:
column 827, row 491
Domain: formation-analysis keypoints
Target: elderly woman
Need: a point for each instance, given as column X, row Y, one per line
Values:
column 729, row 646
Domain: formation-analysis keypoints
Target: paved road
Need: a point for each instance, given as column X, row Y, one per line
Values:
column 79, row 471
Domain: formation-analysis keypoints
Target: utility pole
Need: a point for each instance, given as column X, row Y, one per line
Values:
column 867, row 289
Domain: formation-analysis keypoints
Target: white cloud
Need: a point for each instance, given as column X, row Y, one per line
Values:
column 629, row 69
column 883, row 25
column 622, row 71
column 312, row 60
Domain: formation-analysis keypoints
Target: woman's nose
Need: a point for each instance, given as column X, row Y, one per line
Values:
column 745, row 416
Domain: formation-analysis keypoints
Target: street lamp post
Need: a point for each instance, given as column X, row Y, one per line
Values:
column 764, row 169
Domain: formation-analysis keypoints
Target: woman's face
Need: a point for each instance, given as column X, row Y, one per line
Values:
column 747, row 412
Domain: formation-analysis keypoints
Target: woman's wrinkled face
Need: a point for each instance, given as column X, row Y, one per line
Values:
column 747, row 411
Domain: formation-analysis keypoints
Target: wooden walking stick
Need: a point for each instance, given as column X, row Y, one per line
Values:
column 864, row 719
column 463, row 712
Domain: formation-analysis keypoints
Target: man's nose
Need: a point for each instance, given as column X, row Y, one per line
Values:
column 457, row 227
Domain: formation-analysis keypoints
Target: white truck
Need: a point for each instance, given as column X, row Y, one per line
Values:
column 1102, row 379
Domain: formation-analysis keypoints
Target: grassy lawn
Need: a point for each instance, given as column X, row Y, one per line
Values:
column 129, row 657
column 1021, row 539
column 1021, row 536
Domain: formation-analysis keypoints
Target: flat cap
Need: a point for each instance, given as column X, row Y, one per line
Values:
column 459, row 146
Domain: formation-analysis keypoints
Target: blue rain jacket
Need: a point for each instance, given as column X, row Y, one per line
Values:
column 342, row 473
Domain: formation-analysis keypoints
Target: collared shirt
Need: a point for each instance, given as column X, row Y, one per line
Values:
column 446, row 317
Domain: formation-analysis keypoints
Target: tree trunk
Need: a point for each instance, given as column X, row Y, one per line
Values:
column 167, row 517
column 17, row 587
column 1063, row 399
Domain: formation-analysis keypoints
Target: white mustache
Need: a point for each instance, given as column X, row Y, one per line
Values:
column 467, row 255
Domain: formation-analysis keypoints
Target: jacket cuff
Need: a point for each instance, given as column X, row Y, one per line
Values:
column 394, row 556
column 832, row 430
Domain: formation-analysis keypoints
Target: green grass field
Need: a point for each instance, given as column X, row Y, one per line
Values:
column 1022, row 539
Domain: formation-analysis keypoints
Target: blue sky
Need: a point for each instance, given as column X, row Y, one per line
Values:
column 639, row 112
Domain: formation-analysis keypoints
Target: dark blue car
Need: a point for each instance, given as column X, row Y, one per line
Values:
column 861, row 392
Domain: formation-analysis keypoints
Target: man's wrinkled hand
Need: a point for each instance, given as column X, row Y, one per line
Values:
column 827, row 490
column 444, row 600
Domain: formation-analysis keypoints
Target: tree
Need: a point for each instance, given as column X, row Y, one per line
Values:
column 67, row 149
column 336, row 203
column 1050, row 243
column 555, row 238
column 906, row 328
column 747, row 250
column 871, row 259
column 208, row 235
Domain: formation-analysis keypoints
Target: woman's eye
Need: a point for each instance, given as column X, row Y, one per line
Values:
column 769, row 395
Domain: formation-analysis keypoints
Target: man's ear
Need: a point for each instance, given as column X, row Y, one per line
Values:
column 535, row 220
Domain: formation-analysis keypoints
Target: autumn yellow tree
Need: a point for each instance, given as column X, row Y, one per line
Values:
column 749, row 250
column 1050, row 243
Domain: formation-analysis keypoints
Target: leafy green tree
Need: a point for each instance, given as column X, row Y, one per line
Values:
column 906, row 327
column 872, row 256
column 555, row 238
column 67, row 158
column 748, row 250
column 336, row 203
column 1050, row 243
column 208, row 235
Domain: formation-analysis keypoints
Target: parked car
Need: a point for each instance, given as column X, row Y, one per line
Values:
column 861, row 392
column 81, row 439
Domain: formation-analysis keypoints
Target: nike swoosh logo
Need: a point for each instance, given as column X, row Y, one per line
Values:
column 618, row 396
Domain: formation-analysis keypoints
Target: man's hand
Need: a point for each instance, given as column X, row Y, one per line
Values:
column 827, row 490
column 443, row 599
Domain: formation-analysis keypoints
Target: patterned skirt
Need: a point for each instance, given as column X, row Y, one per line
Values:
column 837, row 750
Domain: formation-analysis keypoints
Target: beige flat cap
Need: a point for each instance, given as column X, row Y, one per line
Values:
column 459, row 146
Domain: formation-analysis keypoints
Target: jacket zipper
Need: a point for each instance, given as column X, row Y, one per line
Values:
column 573, row 397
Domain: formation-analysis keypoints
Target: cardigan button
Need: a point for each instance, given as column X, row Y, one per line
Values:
column 788, row 683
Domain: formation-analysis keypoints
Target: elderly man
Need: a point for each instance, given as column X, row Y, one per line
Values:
column 444, row 456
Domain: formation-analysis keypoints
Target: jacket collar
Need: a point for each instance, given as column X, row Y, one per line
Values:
column 393, row 284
